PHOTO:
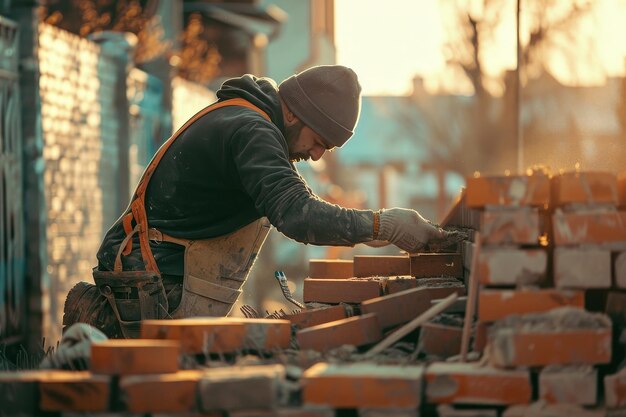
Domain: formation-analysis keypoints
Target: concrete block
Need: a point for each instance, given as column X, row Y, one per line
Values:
column 315, row 316
column 583, row 188
column 512, row 266
column 430, row 265
column 74, row 391
column 496, row 304
column 563, row 336
column 404, row 306
column 363, row 385
column 589, row 227
column 336, row 291
column 523, row 190
column 134, row 356
column 331, row 268
column 569, row 385
column 241, row 388
column 521, row 226
column 161, row 393
column 582, row 267
column 467, row 383
column 386, row 266
column 356, row 331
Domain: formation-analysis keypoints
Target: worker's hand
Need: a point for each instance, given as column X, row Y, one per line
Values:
column 74, row 351
column 408, row 230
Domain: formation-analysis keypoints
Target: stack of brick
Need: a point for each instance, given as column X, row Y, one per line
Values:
column 528, row 223
column 143, row 376
column 367, row 297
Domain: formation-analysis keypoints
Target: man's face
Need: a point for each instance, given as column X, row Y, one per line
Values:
column 304, row 143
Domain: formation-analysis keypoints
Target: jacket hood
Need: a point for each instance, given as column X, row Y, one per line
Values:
column 262, row 92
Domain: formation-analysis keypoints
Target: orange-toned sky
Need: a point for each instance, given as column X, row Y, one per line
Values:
column 388, row 42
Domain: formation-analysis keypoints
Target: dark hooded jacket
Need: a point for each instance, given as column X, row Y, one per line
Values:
column 226, row 170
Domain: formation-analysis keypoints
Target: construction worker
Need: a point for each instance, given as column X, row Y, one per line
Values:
column 200, row 214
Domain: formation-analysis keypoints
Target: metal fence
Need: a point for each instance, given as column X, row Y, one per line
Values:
column 12, row 262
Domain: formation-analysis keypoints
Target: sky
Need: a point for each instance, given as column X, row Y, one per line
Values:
column 388, row 42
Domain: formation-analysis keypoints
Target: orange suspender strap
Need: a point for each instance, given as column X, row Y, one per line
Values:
column 138, row 203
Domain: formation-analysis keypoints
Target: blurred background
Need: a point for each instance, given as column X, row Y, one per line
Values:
column 89, row 89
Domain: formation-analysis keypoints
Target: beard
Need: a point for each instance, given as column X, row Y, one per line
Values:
column 292, row 134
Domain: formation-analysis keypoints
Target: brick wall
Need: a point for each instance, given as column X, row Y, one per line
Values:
column 77, row 87
column 188, row 99
column 145, row 95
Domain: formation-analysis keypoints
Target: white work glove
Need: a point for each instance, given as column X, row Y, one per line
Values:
column 74, row 351
column 408, row 230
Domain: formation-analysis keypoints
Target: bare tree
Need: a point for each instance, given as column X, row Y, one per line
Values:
column 488, row 124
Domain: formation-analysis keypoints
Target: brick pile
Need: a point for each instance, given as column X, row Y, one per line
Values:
column 546, row 340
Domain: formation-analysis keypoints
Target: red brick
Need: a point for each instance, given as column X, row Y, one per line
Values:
column 512, row 266
column 265, row 334
column 589, row 227
column 198, row 335
column 619, row 266
column 496, row 304
column 583, row 188
column 356, row 331
column 430, row 265
column 161, row 393
column 74, row 391
column 386, row 266
column 568, row 385
column 241, row 388
column 134, row 356
column 466, row 383
column 340, row 290
column 397, row 284
column 621, row 189
column 404, row 306
column 315, row 316
column 531, row 190
column 564, row 336
column 522, row 226
column 440, row 340
column 615, row 389
column 331, row 268
column 582, row 267
column 360, row 385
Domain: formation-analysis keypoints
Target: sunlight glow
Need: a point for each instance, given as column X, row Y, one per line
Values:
column 388, row 43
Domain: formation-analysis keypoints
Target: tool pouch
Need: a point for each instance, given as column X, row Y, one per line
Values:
column 134, row 296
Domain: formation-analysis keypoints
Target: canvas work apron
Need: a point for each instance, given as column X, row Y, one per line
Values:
column 214, row 269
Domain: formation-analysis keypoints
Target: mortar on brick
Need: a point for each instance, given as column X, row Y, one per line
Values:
column 511, row 266
column 571, row 384
column 620, row 270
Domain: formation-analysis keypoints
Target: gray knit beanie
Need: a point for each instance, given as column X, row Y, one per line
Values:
column 327, row 98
